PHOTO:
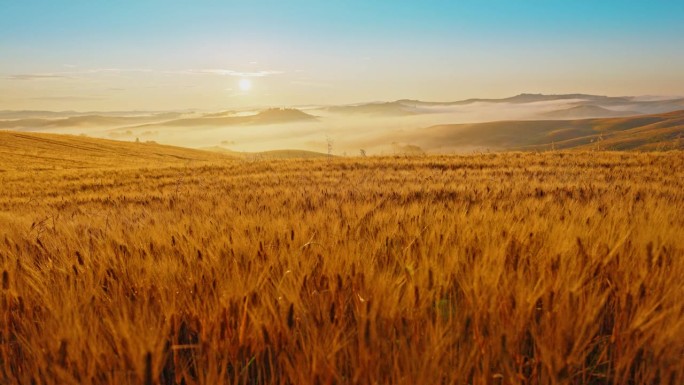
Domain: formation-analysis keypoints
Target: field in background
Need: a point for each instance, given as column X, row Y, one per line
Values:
column 189, row 267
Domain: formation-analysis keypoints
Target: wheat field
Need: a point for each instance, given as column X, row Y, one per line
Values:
column 507, row 268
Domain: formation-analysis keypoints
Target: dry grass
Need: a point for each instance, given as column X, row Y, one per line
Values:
column 20, row 151
column 657, row 132
column 558, row 268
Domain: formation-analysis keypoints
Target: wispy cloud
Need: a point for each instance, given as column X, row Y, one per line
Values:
column 95, row 72
column 227, row 72
column 37, row 76
column 115, row 71
column 74, row 74
column 310, row 84
column 68, row 98
column 119, row 71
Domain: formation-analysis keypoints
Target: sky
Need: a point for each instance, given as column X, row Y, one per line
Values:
column 216, row 55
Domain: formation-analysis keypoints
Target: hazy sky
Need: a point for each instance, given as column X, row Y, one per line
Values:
column 153, row 54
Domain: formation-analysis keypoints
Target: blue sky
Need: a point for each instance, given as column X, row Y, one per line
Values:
column 175, row 54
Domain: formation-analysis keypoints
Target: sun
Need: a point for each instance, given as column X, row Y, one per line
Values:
column 245, row 84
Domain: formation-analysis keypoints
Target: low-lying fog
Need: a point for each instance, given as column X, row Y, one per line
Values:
column 388, row 128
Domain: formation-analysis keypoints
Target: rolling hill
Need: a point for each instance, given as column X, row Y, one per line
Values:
column 44, row 121
column 81, row 121
column 585, row 111
column 265, row 117
column 42, row 114
column 534, row 98
column 396, row 108
column 272, row 154
column 21, row 151
column 581, row 106
column 643, row 132
column 32, row 151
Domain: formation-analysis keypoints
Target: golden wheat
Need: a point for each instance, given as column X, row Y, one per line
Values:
column 516, row 268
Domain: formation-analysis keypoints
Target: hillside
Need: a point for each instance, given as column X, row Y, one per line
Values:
column 645, row 132
column 41, row 114
column 265, row 117
column 585, row 111
column 21, row 151
column 79, row 121
column 43, row 121
column 534, row 98
column 272, row 154
column 541, row 106
column 397, row 108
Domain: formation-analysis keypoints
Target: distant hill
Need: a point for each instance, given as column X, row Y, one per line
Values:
column 281, row 115
column 29, row 124
column 519, row 99
column 220, row 114
column 584, row 111
column 19, row 150
column 76, row 121
column 397, row 108
column 541, row 106
column 265, row 117
column 39, row 114
column 644, row 132
column 273, row 154
column 28, row 114
column 586, row 106
column 534, row 98
column 167, row 119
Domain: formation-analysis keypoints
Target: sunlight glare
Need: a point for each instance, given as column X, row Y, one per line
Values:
column 245, row 84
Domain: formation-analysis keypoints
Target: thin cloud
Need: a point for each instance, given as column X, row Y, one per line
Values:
column 120, row 71
column 208, row 71
column 116, row 70
column 68, row 98
column 75, row 74
column 310, row 84
column 227, row 72
column 37, row 76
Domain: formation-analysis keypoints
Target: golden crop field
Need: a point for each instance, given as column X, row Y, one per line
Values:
column 507, row 268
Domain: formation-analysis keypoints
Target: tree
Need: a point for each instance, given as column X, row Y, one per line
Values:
column 330, row 142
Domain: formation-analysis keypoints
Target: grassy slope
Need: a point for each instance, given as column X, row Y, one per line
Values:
column 48, row 151
column 628, row 133
column 272, row 154
column 586, row 111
